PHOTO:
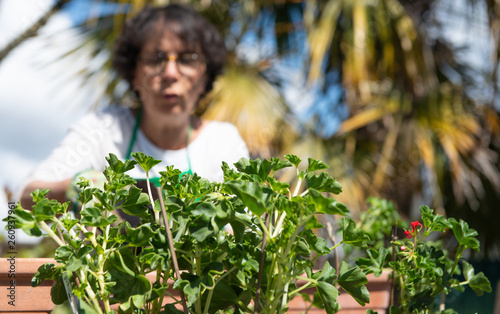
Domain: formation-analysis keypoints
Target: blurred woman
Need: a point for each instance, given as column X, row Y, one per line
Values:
column 170, row 57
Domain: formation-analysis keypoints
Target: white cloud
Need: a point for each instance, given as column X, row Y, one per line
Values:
column 16, row 16
column 39, row 100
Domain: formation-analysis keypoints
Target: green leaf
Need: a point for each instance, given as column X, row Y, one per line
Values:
column 63, row 254
column 201, row 229
column 280, row 164
column 38, row 195
column 92, row 216
column 302, row 248
column 171, row 309
column 44, row 272
column 238, row 230
column 464, row 234
column 24, row 219
column 45, row 209
column 394, row 310
column 190, row 285
column 118, row 166
column 87, row 309
column 257, row 167
column 132, row 289
column 68, row 222
column 121, row 262
column 140, row 235
column 278, row 186
column 468, row 270
column 136, row 203
column 353, row 281
column 86, row 195
column 326, row 274
column 319, row 245
column 144, row 161
column 326, row 205
column 316, row 165
column 329, row 295
column 323, row 183
column 375, row 263
column 223, row 297
column 293, row 159
column 83, row 183
column 480, row 284
column 75, row 263
column 352, row 235
column 313, row 223
column 433, row 222
column 253, row 195
column 207, row 220
column 208, row 211
column 58, row 292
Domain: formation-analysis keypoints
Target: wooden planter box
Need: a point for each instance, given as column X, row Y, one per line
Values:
column 18, row 296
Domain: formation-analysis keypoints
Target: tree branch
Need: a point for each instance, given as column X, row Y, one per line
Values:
column 33, row 30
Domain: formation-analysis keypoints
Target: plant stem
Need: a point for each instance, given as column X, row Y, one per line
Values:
column 51, row 233
column 403, row 300
column 297, row 187
column 460, row 250
column 198, row 273
column 278, row 224
column 285, row 296
column 211, row 292
column 172, row 249
column 441, row 302
column 261, row 267
column 101, row 262
column 304, row 193
column 336, row 245
column 150, row 194
column 305, row 286
column 264, row 227
column 70, row 231
column 158, row 278
column 286, row 260
column 91, row 293
column 91, row 237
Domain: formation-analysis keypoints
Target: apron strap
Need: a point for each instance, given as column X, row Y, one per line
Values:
column 134, row 133
column 134, row 136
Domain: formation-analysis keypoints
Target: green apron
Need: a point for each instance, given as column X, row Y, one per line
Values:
column 156, row 180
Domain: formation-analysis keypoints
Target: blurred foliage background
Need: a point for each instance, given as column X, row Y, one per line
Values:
column 374, row 88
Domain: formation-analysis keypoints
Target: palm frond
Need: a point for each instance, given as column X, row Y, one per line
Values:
column 245, row 98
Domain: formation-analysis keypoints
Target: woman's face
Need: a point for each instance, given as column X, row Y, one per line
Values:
column 169, row 77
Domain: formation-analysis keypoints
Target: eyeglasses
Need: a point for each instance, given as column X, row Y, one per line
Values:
column 187, row 63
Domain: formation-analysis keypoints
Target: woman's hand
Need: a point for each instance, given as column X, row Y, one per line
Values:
column 57, row 191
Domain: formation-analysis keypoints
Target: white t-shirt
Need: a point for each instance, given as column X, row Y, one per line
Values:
column 97, row 134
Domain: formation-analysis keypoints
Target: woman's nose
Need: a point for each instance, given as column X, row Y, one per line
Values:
column 171, row 69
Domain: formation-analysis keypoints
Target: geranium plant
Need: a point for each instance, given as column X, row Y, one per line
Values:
column 424, row 272
column 182, row 237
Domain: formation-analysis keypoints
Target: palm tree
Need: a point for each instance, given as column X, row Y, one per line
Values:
column 411, row 131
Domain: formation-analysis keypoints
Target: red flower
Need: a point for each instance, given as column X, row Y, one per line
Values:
column 415, row 224
column 408, row 234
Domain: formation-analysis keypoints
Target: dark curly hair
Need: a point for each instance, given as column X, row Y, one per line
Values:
column 187, row 24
